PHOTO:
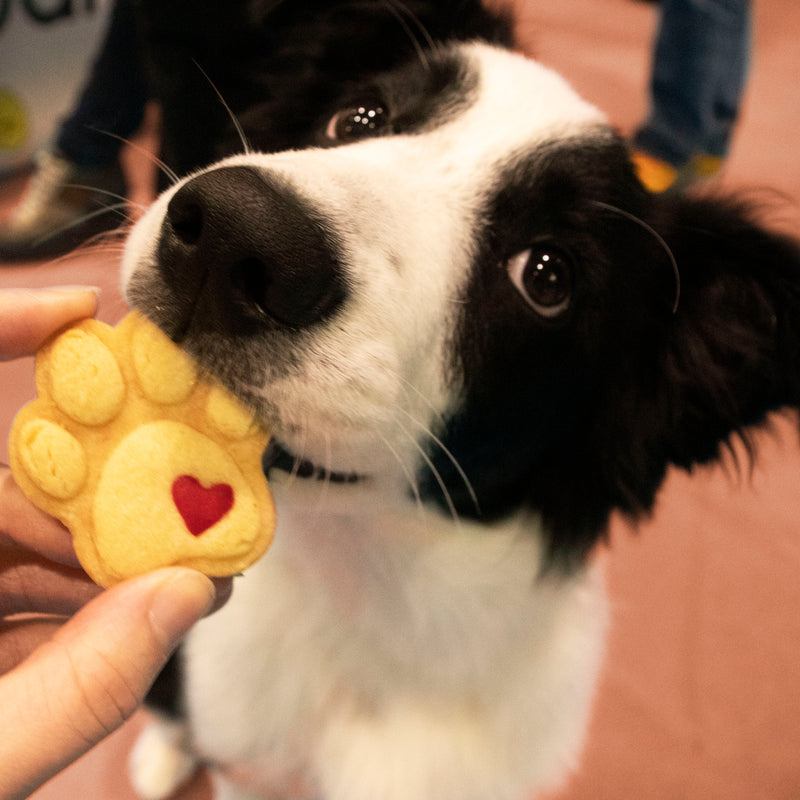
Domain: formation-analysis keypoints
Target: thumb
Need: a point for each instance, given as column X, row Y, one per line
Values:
column 93, row 674
column 29, row 316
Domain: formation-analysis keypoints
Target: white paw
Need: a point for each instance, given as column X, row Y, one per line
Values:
column 224, row 790
column 160, row 761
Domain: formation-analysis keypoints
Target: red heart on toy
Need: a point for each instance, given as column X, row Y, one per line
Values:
column 200, row 507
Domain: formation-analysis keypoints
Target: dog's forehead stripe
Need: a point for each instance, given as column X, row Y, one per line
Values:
column 501, row 98
column 521, row 102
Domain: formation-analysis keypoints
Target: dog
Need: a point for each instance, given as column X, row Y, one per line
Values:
column 474, row 336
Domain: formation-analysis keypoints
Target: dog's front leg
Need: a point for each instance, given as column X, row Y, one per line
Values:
column 227, row 790
column 161, row 760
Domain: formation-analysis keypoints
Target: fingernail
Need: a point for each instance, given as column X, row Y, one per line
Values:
column 29, row 291
column 73, row 288
column 182, row 599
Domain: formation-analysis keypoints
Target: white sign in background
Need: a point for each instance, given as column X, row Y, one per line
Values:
column 46, row 49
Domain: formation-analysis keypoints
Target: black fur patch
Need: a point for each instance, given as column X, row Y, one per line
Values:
column 166, row 693
column 281, row 67
column 416, row 98
column 577, row 416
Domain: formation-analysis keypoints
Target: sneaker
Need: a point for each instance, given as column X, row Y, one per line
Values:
column 655, row 174
column 62, row 207
column 660, row 176
column 702, row 166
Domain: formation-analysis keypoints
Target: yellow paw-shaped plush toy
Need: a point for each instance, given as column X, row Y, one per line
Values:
column 147, row 462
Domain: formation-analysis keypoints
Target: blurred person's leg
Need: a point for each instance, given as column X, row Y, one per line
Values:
column 700, row 65
column 78, row 188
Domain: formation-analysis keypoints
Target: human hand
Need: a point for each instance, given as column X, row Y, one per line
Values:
column 69, row 678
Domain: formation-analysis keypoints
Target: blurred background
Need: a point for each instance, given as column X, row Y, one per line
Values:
column 700, row 695
column 45, row 50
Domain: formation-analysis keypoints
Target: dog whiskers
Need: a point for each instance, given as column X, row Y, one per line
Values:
column 246, row 149
column 405, row 469
column 107, row 241
column 299, row 456
column 124, row 202
column 657, row 236
column 148, row 154
column 398, row 9
column 76, row 223
column 326, row 480
column 410, row 386
column 96, row 244
column 436, row 475
column 429, row 434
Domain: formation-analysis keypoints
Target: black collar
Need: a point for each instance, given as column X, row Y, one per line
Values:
column 277, row 457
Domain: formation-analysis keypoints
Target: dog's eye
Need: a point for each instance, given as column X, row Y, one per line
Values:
column 360, row 122
column 543, row 276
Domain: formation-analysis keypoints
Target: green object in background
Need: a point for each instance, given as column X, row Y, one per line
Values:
column 46, row 49
column 13, row 121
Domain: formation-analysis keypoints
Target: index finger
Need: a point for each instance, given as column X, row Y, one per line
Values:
column 29, row 316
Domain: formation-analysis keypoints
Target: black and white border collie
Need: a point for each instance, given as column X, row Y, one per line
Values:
column 474, row 336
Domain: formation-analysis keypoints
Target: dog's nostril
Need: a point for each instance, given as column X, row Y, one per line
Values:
column 186, row 219
column 250, row 281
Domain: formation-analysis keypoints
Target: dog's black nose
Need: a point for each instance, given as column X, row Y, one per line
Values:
column 241, row 251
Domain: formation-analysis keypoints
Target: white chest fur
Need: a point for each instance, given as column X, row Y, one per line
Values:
column 398, row 654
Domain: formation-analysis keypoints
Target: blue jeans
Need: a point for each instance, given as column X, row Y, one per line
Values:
column 700, row 65
column 113, row 98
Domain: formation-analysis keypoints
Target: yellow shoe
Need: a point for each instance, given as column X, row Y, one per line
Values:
column 704, row 166
column 659, row 176
column 655, row 174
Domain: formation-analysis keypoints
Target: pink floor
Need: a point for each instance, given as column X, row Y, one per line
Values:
column 700, row 697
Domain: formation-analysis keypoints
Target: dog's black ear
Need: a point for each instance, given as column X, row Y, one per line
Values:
column 683, row 383
column 732, row 352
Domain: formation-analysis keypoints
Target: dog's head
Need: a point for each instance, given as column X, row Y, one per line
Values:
column 464, row 292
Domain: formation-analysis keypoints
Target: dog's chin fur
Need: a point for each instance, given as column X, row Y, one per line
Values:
column 452, row 435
